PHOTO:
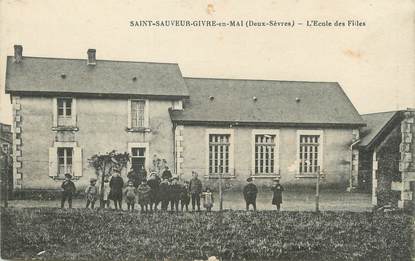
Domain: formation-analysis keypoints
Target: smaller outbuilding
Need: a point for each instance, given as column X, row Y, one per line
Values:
column 387, row 157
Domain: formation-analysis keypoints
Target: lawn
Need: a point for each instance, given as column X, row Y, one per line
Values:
column 231, row 235
column 294, row 200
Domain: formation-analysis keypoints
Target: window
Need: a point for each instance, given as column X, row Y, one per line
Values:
column 219, row 145
column 64, row 112
column 138, row 159
column 309, row 154
column 64, row 107
column 64, row 161
column 65, row 157
column 264, row 154
column 138, row 114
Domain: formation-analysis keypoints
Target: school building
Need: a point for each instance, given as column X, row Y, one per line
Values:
column 66, row 110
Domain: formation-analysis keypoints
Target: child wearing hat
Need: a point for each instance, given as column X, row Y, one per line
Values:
column 68, row 190
column 277, row 190
column 130, row 194
column 250, row 192
column 116, row 185
column 91, row 193
column 144, row 195
column 185, row 196
column 207, row 199
column 175, row 191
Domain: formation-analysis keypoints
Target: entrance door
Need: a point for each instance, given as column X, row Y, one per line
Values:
column 138, row 159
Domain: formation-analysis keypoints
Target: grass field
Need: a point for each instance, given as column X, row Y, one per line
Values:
column 79, row 234
column 294, row 200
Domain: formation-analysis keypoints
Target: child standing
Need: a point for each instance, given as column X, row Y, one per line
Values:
column 144, row 195
column 185, row 196
column 68, row 190
column 130, row 194
column 207, row 199
column 91, row 193
column 277, row 190
column 116, row 185
column 106, row 193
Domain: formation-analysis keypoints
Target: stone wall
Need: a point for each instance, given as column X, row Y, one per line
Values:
column 407, row 159
column 336, row 156
column 101, row 127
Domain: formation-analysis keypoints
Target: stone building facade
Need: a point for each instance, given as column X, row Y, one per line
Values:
column 66, row 110
column 387, row 152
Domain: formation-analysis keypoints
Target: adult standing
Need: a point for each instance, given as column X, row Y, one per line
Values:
column 175, row 193
column 142, row 175
column 164, row 193
column 154, row 182
column 277, row 190
column 250, row 192
column 195, row 188
column 134, row 177
column 116, row 185
column 166, row 173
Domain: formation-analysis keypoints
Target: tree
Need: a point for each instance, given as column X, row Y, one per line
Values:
column 105, row 164
column 7, row 163
column 158, row 165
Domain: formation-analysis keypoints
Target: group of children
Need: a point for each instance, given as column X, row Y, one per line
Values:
column 168, row 191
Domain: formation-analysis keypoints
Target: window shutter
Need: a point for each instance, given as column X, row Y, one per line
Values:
column 129, row 114
column 55, row 112
column 74, row 116
column 77, row 161
column 53, row 162
column 147, row 114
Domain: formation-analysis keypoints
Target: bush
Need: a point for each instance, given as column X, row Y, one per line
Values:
column 233, row 235
column 387, row 197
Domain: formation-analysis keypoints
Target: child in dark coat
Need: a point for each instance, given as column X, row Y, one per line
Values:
column 164, row 194
column 185, row 196
column 154, row 182
column 277, row 190
column 175, row 193
column 250, row 192
column 68, row 190
column 116, row 185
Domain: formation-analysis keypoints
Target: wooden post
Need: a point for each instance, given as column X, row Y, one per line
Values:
column 101, row 192
column 6, row 180
column 318, row 189
column 220, row 192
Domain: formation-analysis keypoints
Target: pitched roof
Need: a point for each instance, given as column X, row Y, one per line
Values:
column 277, row 102
column 377, row 124
column 44, row 75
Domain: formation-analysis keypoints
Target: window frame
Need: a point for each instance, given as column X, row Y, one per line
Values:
column 146, row 119
column 139, row 145
column 276, row 134
column 65, row 106
column 64, row 121
column 231, row 166
column 65, row 160
column 77, row 160
column 320, row 152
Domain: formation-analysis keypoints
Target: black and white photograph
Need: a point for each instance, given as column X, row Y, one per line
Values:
column 207, row 130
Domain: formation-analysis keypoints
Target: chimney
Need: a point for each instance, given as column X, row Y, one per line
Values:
column 91, row 57
column 18, row 53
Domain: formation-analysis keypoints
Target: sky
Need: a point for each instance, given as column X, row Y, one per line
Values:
column 374, row 64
